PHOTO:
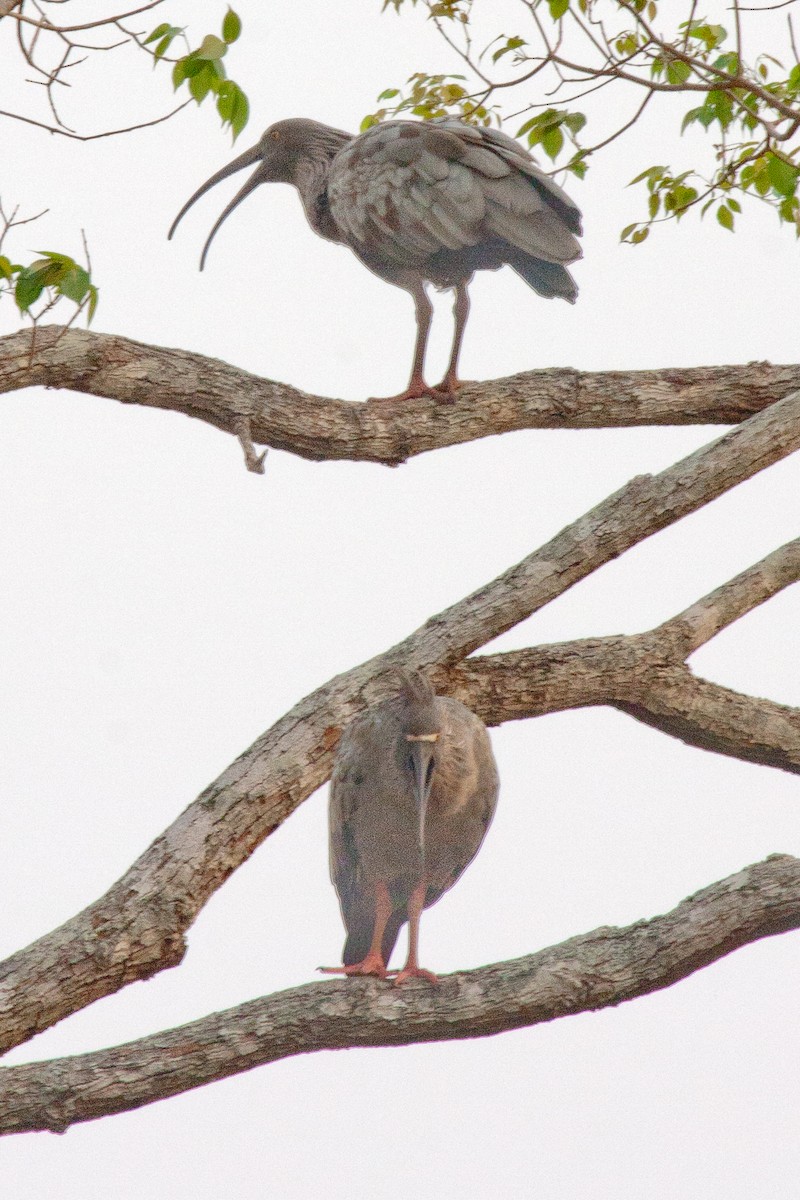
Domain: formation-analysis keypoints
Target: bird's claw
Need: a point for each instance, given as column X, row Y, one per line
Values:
column 418, row 389
column 446, row 392
column 414, row 973
column 367, row 966
column 411, row 393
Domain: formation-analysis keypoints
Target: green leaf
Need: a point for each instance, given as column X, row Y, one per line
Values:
column 789, row 210
column 782, row 175
column 733, row 204
column 231, row 26
column 761, row 182
column 678, row 71
column 28, row 290
column 159, row 32
column 679, row 198
column 75, row 284
column 557, row 8
column 652, row 175
column 692, row 115
column 639, row 235
column 512, row 43
column 575, row 122
column 47, row 270
column 200, row 85
column 211, row 48
column 552, row 142
column 233, row 106
column 93, row 297
column 725, row 217
column 6, row 269
column 192, row 65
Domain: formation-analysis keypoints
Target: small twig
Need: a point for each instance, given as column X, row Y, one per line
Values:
column 253, row 460
column 90, row 137
column 49, row 27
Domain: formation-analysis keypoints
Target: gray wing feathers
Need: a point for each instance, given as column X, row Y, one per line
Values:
column 404, row 191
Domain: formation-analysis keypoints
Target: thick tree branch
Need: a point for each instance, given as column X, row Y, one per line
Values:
column 633, row 675
column 586, row 973
column 138, row 927
column 313, row 427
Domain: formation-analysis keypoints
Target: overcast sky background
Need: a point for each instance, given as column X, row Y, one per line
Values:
column 160, row 607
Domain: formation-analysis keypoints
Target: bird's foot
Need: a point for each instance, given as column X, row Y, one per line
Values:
column 414, row 391
column 371, row 965
column 446, row 391
column 418, row 389
column 414, row 972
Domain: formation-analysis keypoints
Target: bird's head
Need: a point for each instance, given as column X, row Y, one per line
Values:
column 282, row 152
column 419, row 741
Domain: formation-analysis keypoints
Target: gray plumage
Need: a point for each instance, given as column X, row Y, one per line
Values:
column 413, row 791
column 418, row 202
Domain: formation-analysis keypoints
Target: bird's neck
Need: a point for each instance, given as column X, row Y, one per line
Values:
column 311, row 181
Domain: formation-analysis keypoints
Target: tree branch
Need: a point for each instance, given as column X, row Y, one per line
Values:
column 708, row 616
column 138, row 927
column 322, row 429
column 583, row 974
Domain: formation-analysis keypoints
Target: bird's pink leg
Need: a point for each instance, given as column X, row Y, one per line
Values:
column 446, row 390
column 417, row 386
column 412, row 969
column 372, row 963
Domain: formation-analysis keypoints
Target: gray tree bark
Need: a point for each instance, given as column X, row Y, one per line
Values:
column 138, row 927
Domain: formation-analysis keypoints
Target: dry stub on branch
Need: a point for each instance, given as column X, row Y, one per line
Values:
column 413, row 791
column 418, row 202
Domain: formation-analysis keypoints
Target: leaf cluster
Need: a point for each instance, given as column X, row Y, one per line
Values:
column 430, row 96
column 48, row 279
column 202, row 70
column 750, row 106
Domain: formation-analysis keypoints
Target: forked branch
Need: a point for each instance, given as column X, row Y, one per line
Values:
column 138, row 927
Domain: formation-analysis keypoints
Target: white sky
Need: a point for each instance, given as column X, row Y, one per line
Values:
column 160, row 607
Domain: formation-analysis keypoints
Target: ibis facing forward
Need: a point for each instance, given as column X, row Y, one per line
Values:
column 413, row 791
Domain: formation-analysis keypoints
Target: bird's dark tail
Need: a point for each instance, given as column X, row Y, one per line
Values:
column 359, row 939
column 547, row 278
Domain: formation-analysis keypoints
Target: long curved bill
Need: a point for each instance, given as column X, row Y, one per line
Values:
column 422, row 749
column 244, row 160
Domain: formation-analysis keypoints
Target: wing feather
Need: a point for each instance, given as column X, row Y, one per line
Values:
column 404, row 192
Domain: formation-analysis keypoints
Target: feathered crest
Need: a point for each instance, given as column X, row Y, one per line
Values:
column 413, row 685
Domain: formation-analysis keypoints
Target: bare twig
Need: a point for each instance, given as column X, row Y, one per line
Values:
column 90, row 137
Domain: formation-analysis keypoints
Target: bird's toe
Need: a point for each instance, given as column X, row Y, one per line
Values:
column 414, row 973
column 371, row 965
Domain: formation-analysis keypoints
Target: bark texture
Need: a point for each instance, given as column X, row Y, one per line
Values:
column 138, row 927
column 278, row 415
column 589, row 972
